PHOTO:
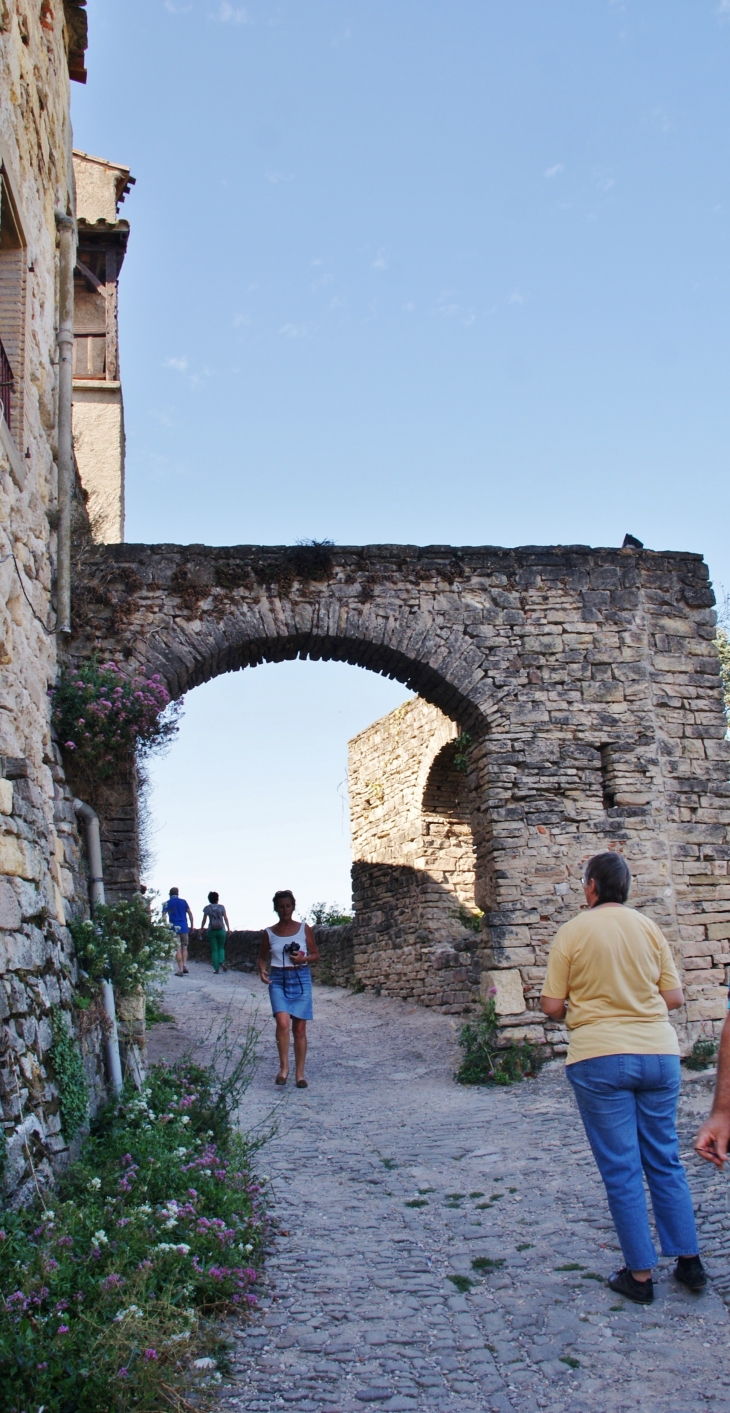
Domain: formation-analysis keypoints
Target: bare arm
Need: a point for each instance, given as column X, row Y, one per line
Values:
column 712, row 1140
column 554, row 1008
column 225, row 919
column 263, row 958
column 673, row 999
column 192, row 924
column 312, row 948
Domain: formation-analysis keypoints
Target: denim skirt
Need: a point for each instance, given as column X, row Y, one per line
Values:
column 290, row 990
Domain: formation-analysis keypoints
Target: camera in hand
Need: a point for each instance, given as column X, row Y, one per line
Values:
column 293, row 949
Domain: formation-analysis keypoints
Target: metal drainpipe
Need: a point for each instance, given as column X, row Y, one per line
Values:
column 65, row 340
column 93, row 846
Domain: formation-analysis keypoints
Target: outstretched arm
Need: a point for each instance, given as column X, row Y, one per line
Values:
column 712, row 1140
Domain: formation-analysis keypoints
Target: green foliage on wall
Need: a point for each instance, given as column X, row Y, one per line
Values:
column 69, row 1071
column 461, row 751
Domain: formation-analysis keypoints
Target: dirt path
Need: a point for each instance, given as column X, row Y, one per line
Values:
column 360, row 1309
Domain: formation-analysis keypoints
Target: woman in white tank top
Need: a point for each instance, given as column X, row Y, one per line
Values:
column 285, row 953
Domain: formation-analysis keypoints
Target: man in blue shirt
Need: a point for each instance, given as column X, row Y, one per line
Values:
column 178, row 912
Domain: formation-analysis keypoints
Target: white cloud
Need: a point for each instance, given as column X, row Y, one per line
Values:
column 177, row 9
column 554, row 171
column 602, row 179
column 380, row 262
column 660, row 117
column 294, row 331
column 276, row 177
column 182, row 365
column 232, row 15
column 241, row 319
column 517, row 297
column 449, row 309
column 410, row 307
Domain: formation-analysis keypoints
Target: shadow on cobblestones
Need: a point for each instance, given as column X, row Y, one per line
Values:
column 389, row 1180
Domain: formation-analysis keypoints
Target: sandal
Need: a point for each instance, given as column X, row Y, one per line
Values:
column 302, row 1084
column 281, row 1079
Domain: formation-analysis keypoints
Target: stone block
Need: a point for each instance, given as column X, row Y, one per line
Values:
column 509, row 999
column 9, row 908
column 707, row 1009
column 6, row 796
column 18, row 858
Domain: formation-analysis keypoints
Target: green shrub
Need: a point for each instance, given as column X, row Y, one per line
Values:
column 702, row 1055
column 157, row 1229
column 328, row 915
column 485, row 1061
column 123, row 945
column 470, row 918
column 69, row 1071
column 461, row 752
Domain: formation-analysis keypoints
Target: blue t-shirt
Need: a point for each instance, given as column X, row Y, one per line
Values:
column 177, row 911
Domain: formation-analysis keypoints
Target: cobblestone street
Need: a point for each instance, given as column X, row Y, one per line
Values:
column 444, row 1248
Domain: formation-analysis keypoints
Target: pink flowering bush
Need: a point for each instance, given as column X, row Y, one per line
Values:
column 103, row 718
column 110, row 1298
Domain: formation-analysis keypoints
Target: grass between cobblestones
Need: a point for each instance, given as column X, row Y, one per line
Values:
column 112, row 1287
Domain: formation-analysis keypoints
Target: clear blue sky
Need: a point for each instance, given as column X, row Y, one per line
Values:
column 416, row 272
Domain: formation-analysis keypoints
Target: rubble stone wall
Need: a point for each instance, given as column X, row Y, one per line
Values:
column 42, row 874
column 587, row 679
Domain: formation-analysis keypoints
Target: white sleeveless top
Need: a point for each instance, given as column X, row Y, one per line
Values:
column 280, row 958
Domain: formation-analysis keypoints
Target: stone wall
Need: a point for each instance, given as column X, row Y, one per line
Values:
column 588, row 681
column 42, row 874
column 336, row 967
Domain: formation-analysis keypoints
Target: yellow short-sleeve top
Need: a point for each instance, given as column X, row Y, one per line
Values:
column 612, row 963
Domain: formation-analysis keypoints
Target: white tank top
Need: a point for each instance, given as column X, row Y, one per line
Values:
column 280, row 958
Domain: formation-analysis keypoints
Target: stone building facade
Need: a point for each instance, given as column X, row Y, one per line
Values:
column 98, row 407
column 587, row 680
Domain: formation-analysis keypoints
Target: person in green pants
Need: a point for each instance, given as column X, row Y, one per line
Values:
column 216, row 917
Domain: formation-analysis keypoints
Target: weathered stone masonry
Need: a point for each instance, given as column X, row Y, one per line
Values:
column 42, row 878
column 587, row 679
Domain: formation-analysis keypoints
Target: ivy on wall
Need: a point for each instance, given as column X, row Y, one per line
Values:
column 69, row 1071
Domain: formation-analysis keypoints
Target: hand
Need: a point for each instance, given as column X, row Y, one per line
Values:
column 712, row 1140
column 299, row 959
column 264, row 976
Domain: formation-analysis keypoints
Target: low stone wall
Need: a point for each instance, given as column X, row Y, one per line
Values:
column 336, row 947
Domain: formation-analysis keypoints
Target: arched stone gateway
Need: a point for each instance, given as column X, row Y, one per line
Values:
column 587, row 680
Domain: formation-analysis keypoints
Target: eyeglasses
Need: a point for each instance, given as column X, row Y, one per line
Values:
column 585, row 881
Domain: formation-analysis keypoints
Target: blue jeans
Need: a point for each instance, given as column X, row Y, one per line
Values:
column 628, row 1105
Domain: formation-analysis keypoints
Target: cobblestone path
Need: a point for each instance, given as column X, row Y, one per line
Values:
column 442, row 1248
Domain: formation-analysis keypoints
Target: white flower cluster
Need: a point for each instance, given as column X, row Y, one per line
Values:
column 94, row 1184
column 132, row 1312
column 101, row 1238
column 180, row 1246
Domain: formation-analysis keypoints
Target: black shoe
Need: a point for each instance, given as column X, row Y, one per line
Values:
column 624, row 1284
column 223, row 968
column 689, row 1271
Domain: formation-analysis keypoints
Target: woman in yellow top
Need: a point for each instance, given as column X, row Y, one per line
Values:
column 612, row 970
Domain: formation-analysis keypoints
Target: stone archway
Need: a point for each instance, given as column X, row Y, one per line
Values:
column 564, row 665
